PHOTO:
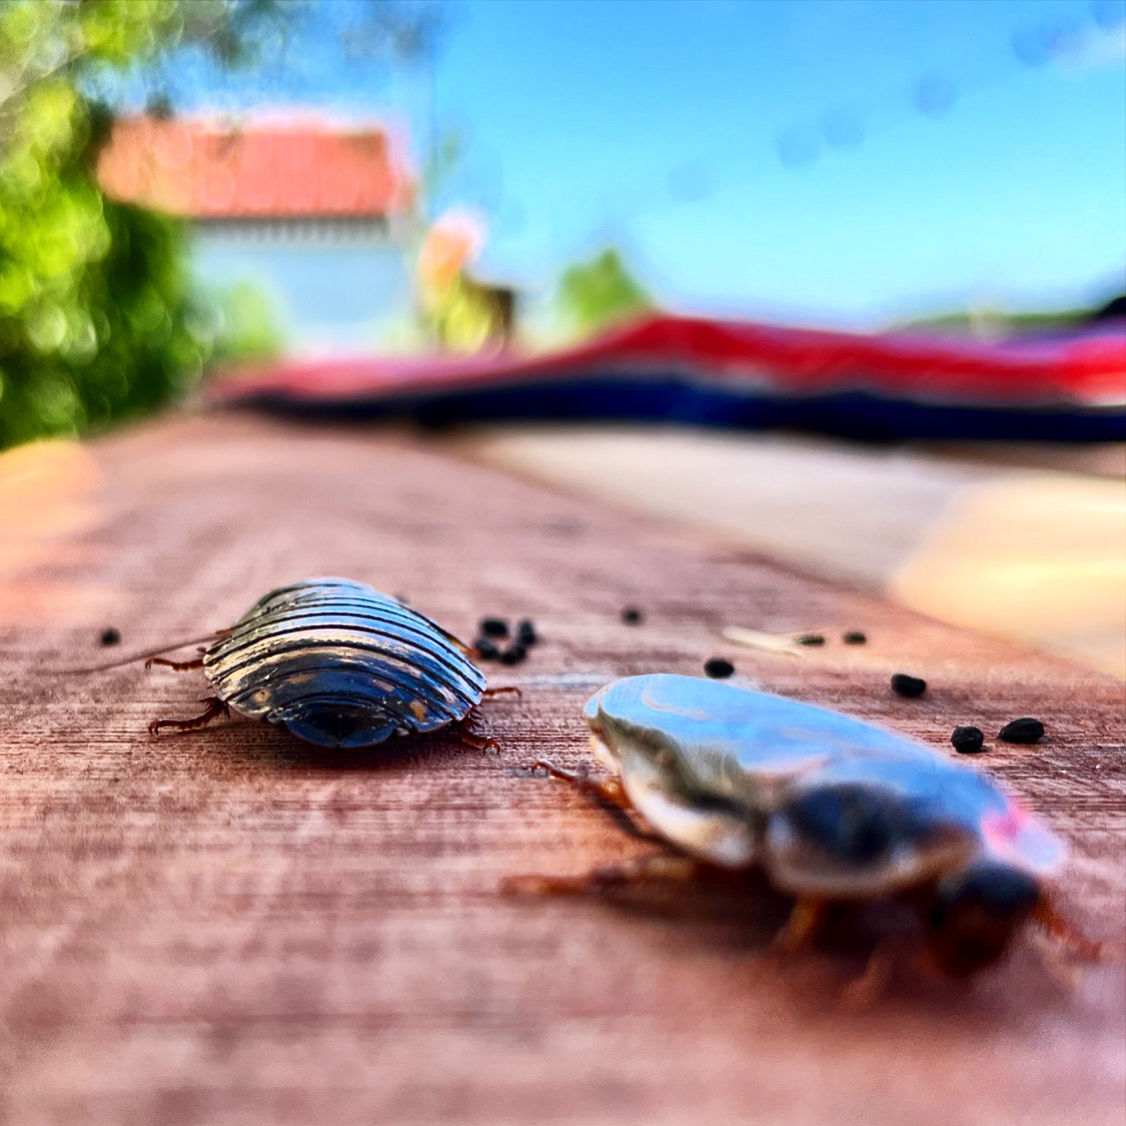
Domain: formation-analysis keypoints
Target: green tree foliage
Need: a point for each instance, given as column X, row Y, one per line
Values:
column 596, row 294
column 247, row 331
column 97, row 320
column 988, row 322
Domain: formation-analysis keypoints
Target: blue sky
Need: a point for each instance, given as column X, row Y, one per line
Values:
column 770, row 159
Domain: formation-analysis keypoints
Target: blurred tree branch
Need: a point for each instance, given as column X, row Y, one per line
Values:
column 97, row 319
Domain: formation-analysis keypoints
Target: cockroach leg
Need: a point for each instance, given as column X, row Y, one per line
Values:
column 215, row 708
column 179, row 666
column 470, row 733
column 608, row 790
column 1054, row 960
column 504, row 690
column 871, row 985
column 1070, row 940
column 456, row 642
column 803, row 926
column 658, row 867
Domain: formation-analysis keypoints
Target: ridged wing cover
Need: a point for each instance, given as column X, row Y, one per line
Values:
column 342, row 665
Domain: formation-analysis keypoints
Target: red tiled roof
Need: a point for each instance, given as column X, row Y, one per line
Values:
column 287, row 170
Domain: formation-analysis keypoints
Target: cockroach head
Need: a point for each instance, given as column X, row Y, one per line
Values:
column 976, row 912
column 336, row 724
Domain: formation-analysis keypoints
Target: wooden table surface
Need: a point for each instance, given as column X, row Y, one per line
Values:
column 1032, row 548
column 226, row 926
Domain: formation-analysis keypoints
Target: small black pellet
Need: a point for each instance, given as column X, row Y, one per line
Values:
column 718, row 668
column 908, row 685
column 110, row 636
column 967, row 740
column 632, row 616
column 526, row 633
column 486, row 649
column 854, row 637
column 1024, row 730
column 514, row 654
column 811, row 639
column 493, row 627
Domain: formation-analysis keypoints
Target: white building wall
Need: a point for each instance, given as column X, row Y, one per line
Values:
column 335, row 287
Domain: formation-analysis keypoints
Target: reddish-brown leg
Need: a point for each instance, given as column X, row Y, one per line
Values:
column 608, row 790
column 1070, row 940
column 872, row 984
column 504, row 690
column 179, row 666
column 215, row 708
column 679, row 868
column 470, row 733
column 807, row 917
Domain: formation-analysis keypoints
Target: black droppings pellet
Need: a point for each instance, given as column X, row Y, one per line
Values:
column 908, row 685
column 110, row 636
column 514, row 654
column 632, row 616
column 493, row 627
column 1024, row 730
column 526, row 633
column 811, row 639
column 967, row 740
column 718, row 668
column 486, row 649
column 854, row 637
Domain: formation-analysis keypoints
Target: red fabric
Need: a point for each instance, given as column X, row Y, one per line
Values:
column 1087, row 368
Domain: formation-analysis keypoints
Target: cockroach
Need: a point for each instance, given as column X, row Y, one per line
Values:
column 833, row 809
column 340, row 665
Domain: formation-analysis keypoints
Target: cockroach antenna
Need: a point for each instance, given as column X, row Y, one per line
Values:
column 213, row 636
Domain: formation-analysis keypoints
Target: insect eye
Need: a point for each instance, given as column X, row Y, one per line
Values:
column 852, row 823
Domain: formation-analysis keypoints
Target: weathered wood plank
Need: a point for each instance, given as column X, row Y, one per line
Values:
column 227, row 927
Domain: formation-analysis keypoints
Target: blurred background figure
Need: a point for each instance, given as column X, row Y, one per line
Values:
column 878, row 221
column 461, row 312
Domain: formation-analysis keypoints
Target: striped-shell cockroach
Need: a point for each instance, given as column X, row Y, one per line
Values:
column 338, row 664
